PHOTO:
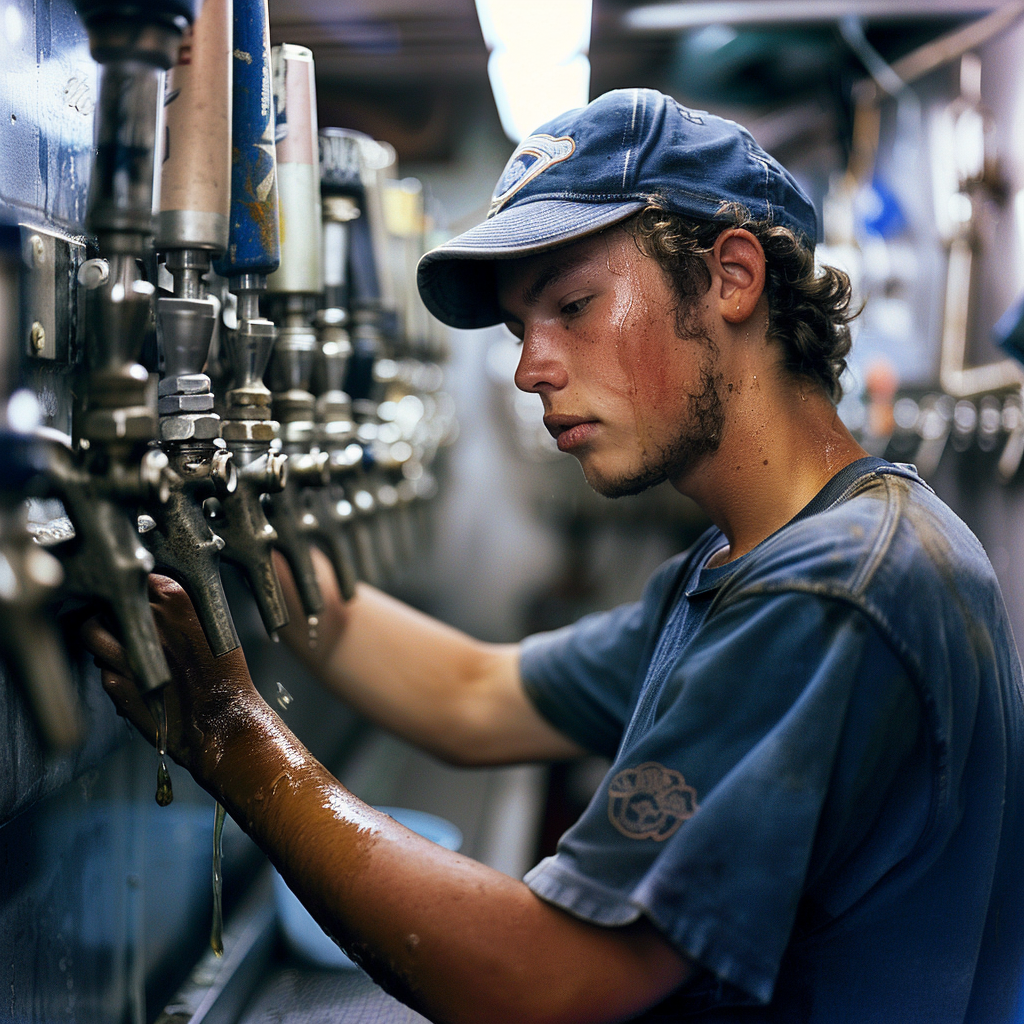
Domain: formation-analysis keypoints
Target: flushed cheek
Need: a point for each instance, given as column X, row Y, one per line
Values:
column 653, row 379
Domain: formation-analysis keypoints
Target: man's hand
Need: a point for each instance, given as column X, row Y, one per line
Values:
column 456, row 939
column 206, row 695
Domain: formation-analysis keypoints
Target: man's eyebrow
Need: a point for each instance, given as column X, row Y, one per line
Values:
column 552, row 273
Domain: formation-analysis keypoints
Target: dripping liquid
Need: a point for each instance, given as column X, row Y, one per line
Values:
column 164, row 791
column 217, row 929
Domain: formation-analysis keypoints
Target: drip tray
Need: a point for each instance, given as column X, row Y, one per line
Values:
column 307, row 995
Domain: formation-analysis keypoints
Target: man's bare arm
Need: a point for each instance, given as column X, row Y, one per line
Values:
column 433, row 685
column 451, row 937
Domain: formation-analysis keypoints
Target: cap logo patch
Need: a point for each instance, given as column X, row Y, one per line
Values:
column 533, row 156
column 650, row 801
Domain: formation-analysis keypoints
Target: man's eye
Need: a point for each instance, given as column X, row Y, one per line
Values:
column 575, row 307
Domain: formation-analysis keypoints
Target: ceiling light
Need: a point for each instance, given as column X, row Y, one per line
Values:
column 538, row 66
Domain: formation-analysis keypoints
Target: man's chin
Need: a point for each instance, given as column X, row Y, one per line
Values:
column 622, row 486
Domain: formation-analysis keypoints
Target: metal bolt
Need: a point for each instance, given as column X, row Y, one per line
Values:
column 38, row 250
column 38, row 334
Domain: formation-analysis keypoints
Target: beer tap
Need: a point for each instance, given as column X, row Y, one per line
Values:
column 110, row 469
column 376, row 330
column 335, row 435
column 351, row 505
column 292, row 292
column 29, row 575
column 253, row 252
column 191, row 227
column 335, row 429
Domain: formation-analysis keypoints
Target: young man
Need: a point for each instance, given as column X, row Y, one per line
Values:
column 814, row 810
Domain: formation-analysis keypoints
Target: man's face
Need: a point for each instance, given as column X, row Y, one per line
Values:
column 625, row 390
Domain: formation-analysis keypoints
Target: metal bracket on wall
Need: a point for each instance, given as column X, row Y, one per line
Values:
column 49, row 293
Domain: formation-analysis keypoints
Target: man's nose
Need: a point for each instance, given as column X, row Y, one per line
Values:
column 541, row 363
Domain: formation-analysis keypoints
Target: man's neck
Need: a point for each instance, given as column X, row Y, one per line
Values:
column 782, row 442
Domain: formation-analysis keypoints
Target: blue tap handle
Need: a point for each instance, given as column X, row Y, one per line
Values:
column 254, row 242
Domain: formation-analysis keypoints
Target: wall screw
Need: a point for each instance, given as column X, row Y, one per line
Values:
column 38, row 251
column 38, row 336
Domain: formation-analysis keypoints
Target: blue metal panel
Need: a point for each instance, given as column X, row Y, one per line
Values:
column 47, row 93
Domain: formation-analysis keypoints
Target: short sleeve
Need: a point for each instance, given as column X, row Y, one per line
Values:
column 581, row 678
column 708, row 821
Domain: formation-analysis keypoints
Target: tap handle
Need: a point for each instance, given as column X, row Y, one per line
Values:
column 195, row 181
column 28, row 641
column 298, row 172
column 183, row 543
column 240, row 520
column 35, row 652
column 293, row 541
column 175, row 13
column 332, row 540
column 254, row 245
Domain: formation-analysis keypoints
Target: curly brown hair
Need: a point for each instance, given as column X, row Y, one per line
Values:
column 808, row 307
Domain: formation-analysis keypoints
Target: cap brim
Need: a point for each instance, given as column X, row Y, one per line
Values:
column 457, row 280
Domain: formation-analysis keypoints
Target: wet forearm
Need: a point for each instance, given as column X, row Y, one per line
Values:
column 452, row 937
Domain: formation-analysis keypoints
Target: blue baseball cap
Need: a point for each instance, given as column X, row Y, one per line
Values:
column 595, row 166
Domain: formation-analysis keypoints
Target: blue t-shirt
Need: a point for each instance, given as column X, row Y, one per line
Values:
column 818, row 766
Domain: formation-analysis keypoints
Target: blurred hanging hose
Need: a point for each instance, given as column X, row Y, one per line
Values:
column 866, row 118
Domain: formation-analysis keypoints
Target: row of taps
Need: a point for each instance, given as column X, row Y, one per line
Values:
column 299, row 403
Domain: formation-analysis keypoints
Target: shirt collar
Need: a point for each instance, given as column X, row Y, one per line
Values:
column 707, row 579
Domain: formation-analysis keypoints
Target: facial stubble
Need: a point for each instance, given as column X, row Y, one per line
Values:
column 697, row 438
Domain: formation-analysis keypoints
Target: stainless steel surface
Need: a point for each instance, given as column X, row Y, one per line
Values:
column 188, row 227
column 219, row 987
column 29, row 580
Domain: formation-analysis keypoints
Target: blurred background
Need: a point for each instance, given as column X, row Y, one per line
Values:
column 903, row 122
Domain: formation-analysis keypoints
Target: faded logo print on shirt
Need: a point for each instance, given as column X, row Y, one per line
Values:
column 650, row 801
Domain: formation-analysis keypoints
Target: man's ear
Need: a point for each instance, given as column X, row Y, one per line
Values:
column 737, row 262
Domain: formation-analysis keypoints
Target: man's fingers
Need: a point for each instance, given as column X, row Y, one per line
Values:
column 101, row 643
column 165, row 587
column 128, row 701
column 172, row 608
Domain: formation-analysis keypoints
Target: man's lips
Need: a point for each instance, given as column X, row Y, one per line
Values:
column 570, row 431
